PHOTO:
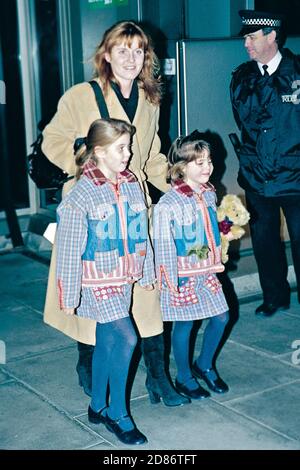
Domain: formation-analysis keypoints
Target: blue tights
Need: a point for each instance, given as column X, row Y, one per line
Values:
column 211, row 339
column 115, row 343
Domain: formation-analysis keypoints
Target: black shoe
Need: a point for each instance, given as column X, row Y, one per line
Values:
column 132, row 437
column 198, row 394
column 267, row 310
column 96, row 418
column 218, row 385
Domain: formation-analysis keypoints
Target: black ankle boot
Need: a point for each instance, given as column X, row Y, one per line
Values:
column 84, row 367
column 157, row 382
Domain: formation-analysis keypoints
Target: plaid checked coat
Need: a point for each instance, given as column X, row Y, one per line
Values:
column 187, row 249
column 102, row 239
column 185, row 221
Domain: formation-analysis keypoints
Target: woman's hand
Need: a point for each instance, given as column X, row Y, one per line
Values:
column 69, row 311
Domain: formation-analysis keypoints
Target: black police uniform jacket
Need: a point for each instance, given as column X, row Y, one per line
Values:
column 267, row 111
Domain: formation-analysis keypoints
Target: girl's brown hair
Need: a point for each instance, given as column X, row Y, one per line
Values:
column 102, row 133
column 126, row 31
column 185, row 149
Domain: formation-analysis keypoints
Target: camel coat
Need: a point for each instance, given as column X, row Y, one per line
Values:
column 77, row 109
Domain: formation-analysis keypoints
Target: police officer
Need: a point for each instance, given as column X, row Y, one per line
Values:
column 265, row 95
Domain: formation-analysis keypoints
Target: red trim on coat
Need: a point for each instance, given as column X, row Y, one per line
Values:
column 91, row 171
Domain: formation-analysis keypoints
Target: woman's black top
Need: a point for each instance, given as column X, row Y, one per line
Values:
column 129, row 104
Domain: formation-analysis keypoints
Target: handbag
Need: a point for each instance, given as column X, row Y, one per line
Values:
column 45, row 174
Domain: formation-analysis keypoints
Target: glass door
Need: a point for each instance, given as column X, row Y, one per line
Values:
column 12, row 114
column 48, row 59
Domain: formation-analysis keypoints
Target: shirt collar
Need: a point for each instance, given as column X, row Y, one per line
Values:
column 91, row 171
column 272, row 65
column 183, row 188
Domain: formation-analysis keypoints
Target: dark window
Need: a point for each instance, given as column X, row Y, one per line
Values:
column 49, row 74
column 48, row 54
column 290, row 8
column 13, row 115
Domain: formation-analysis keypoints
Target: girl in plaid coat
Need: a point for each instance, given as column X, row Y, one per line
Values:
column 187, row 249
column 103, row 248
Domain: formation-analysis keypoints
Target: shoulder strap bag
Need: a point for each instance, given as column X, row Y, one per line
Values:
column 44, row 173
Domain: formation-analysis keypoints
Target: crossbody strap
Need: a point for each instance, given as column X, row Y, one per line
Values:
column 100, row 99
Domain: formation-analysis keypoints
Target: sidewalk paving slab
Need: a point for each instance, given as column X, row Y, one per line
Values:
column 42, row 406
column 29, row 422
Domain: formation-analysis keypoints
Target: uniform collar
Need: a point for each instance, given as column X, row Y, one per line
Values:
column 272, row 65
column 181, row 187
column 91, row 171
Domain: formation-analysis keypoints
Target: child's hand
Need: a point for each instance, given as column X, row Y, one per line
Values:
column 149, row 287
column 69, row 311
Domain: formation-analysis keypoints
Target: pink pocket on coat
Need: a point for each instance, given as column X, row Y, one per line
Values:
column 186, row 295
column 213, row 284
column 105, row 293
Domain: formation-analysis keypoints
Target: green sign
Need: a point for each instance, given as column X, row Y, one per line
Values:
column 106, row 3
